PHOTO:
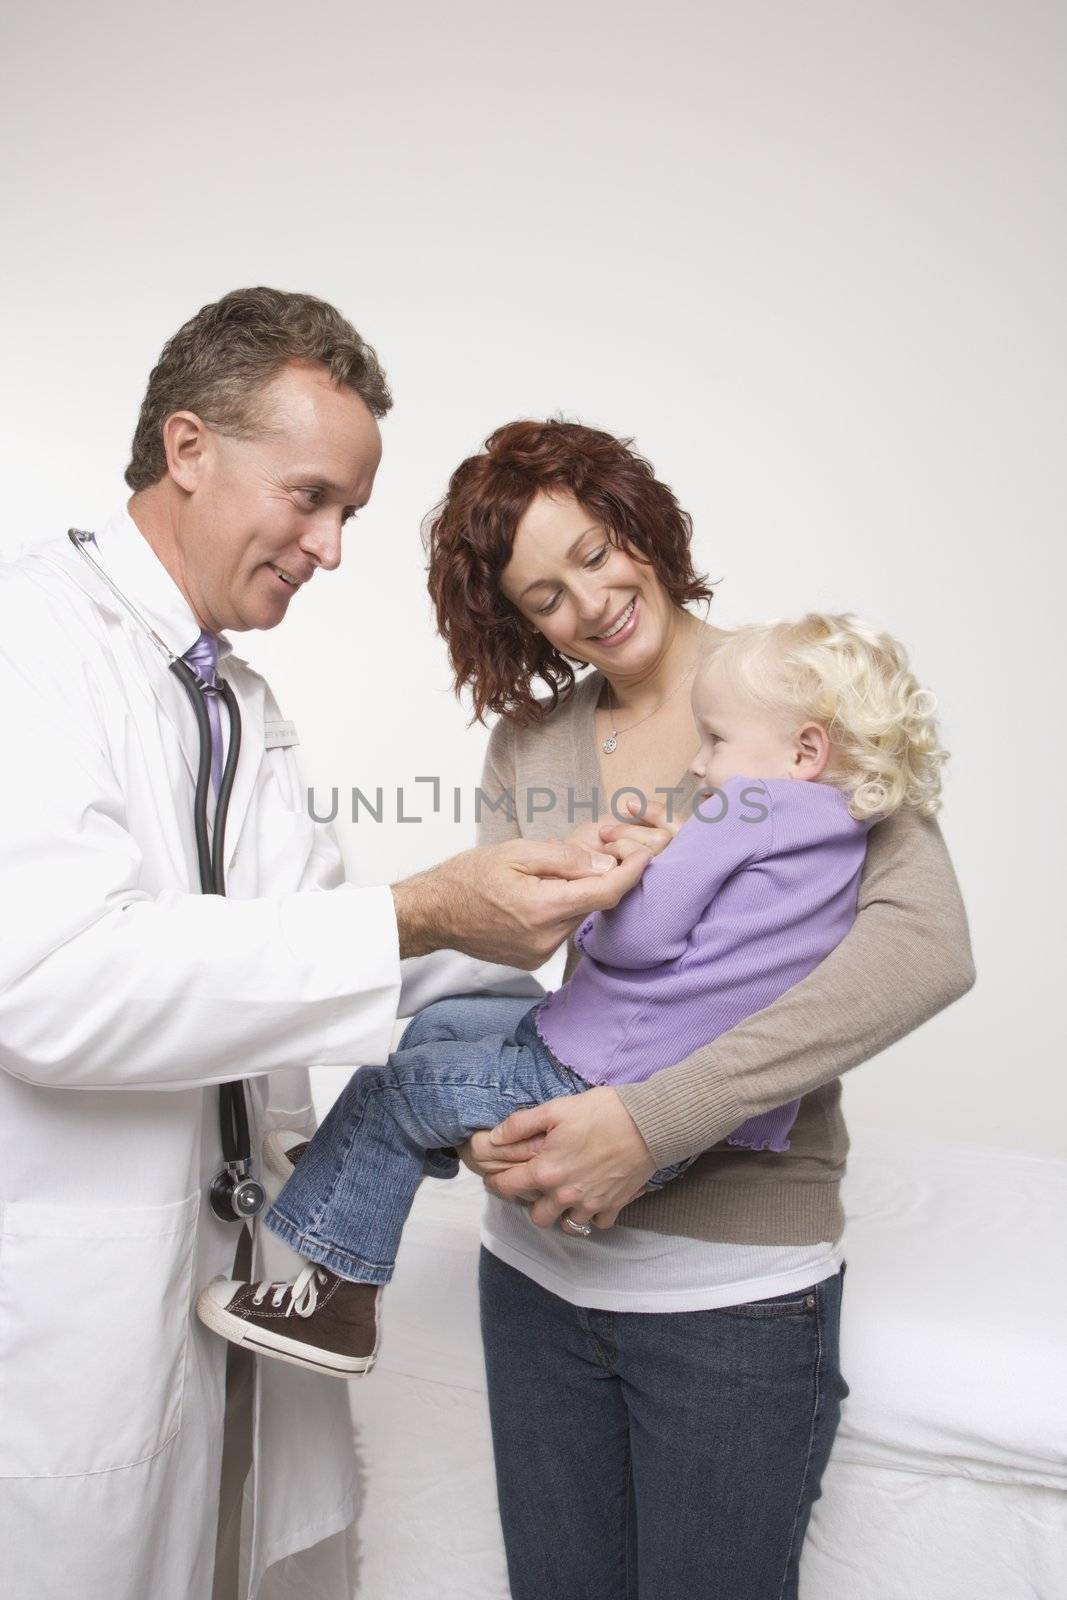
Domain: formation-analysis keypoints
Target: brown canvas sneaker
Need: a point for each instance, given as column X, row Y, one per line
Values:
column 319, row 1320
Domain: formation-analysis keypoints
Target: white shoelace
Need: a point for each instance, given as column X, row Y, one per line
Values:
column 304, row 1289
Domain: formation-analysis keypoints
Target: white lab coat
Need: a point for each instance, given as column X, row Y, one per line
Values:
column 125, row 998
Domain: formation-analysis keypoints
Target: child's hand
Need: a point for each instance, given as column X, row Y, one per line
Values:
column 652, row 832
column 486, row 1159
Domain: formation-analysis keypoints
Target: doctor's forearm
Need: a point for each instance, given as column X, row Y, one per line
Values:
column 419, row 907
column 470, row 903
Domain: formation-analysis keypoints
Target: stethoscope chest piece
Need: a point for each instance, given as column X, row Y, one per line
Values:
column 234, row 1196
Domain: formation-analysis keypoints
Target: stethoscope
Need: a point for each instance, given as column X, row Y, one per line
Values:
column 234, row 1194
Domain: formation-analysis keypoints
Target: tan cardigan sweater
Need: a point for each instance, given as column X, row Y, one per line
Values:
column 906, row 957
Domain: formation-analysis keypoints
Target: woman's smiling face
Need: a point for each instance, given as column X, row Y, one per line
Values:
column 592, row 600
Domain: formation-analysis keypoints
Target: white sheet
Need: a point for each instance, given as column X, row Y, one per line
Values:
column 891, row 1534
column 956, row 1311
column 949, row 1475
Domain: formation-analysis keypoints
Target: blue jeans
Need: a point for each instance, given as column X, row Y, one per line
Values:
column 658, row 1456
column 462, row 1065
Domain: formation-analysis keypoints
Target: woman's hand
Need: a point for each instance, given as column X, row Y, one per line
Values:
column 593, row 1160
column 652, row 831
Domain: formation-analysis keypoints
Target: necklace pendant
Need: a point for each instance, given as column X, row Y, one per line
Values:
column 610, row 744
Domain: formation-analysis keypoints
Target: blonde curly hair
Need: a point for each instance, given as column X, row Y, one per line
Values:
column 854, row 680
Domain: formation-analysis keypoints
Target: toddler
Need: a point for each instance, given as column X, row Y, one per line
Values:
column 810, row 732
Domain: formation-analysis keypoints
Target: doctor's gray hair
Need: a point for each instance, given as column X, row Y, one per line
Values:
column 220, row 361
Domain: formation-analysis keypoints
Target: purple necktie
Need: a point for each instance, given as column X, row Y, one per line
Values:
column 203, row 658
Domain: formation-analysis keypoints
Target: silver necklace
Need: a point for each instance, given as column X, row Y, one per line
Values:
column 612, row 741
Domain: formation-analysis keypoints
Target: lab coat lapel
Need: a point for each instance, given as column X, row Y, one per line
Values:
column 173, row 704
column 133, row 567
column 129, row 560
column 154, row 681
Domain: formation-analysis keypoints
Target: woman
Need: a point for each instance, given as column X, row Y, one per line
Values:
column 663, row 1394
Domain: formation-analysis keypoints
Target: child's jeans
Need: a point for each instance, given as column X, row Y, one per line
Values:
column 462, row 1065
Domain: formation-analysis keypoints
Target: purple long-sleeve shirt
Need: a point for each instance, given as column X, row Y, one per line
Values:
column 733, row 912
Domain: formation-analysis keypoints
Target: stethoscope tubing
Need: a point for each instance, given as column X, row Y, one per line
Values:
column 211, row 862
column 211, row 854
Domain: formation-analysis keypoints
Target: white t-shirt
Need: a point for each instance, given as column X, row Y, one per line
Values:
column 633, row 1269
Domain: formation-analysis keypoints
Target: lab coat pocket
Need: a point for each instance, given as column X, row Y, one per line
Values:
column 95, row 1306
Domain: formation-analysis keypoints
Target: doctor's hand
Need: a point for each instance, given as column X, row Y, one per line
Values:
column 513, row 903
column 592, row 1163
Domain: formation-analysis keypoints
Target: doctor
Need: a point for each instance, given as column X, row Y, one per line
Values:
column 127, row 996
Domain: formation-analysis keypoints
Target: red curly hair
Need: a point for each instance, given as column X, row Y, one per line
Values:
column 470, row 536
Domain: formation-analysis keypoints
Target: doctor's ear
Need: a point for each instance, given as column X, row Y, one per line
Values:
column 186, row 440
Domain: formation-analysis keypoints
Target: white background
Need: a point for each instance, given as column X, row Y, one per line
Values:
column 809, row 255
